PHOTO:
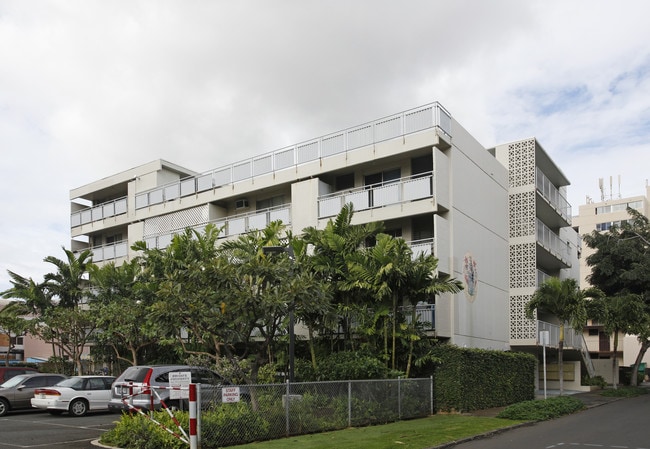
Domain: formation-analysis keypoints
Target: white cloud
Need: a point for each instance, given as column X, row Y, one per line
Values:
column 89, row 88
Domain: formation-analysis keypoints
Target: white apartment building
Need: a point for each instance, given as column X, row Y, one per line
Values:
column 496, row 219
column 600, row 216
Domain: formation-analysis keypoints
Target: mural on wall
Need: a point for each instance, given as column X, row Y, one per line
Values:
column 470, row 275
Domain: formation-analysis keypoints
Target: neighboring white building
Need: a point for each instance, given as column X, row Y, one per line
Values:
column 496, row 219
column 600, row 216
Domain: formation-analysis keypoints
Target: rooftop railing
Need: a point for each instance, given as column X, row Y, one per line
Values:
column 414, row 120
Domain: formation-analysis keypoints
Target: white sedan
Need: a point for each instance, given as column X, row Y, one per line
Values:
column 77, row 395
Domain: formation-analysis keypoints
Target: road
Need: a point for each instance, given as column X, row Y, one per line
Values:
column 621, row 424
column 37, row 429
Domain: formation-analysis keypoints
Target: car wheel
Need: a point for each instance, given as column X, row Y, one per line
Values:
column 4, row 407
column 55, row 412
column 78, row 407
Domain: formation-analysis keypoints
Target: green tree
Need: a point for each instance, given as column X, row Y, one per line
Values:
column 12, row 325
column 389, row 273
column 619, row 314
column 564, row 300
column 331, row 248
column 620, row 266
column 120, row 305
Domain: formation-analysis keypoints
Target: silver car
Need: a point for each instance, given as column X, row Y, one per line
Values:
column 138, row 379
column 17, row 392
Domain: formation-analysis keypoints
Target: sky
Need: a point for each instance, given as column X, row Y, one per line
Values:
column 90, row 88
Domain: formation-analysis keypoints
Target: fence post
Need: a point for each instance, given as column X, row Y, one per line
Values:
column 349, row 403
column 286, row 407
column 399, row 397
column 431, row 394
column 194, row 440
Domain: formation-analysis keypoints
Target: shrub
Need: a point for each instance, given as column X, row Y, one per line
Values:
column 597, row 381
column 475, row 379
column 139, row 432
column 542, row 410
column 624, row 392
column 349, row 365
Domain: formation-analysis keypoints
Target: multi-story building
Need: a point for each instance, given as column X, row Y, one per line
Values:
column 600, row 216
column 496, row 219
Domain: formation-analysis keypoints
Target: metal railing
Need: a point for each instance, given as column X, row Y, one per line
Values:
column 572, row 338
column 99, row 212
column 425, row 315
column 553, row 243
column 552, row 195
column 231, row 226
column 405, row 189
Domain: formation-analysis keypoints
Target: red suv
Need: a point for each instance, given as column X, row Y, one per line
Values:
column 7, row 372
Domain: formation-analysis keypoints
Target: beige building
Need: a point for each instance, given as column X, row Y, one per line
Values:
column 497, row 219
column 600, row 216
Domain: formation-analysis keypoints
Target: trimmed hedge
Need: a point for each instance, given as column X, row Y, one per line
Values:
column 476, row 379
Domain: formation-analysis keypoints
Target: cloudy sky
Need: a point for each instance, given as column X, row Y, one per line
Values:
column 89, row 88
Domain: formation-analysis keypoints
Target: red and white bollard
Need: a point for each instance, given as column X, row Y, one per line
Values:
column 194, row 438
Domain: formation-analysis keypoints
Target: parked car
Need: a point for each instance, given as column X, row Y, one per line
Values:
column 76, row 395
column 17, row 392
column 136, row 379
column 7, row 372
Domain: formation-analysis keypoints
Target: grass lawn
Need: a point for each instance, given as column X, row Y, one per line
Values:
column 412, row 434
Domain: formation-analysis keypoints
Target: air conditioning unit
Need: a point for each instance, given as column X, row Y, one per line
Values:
column 241, row 203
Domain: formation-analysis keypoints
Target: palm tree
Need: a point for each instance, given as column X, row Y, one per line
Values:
column 331, row 247
column 390, row 273
column 564, row 300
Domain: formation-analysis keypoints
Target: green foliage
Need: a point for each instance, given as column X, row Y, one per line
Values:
column 541, row 410
column 596, row 381
column 624, row 392
column 475, row 379
column 139, row 432
column 351, row 365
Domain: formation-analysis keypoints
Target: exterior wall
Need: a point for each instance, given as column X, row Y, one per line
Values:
column 478, row 219
column 470, row 207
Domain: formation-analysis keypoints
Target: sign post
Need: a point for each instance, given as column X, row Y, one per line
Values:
column 544, row 337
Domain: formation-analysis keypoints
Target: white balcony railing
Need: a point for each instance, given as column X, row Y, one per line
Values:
column 231, row 226
column 552, row 242
column 377, row 195
column 552, row 195
column 425, row 315
column 110, row 251
column 572, row 338
column 99, row 212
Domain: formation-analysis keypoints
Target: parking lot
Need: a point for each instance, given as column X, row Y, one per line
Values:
column 36, row 429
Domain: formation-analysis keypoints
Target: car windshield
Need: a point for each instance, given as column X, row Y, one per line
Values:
column 76, row 383
column 16, row 380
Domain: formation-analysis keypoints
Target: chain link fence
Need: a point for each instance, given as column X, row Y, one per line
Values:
column 270, row 411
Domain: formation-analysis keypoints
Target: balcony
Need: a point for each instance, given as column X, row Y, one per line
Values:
column 110, row 251
column 425, row 316
column 99, row 212
column 553, row 197
column 554, row 245
column 231, row 226
column 377, row 195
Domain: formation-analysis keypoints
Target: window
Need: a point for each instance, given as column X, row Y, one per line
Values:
column 422, row 164
column 384, row 177
column 114, row 238
column 270, row 202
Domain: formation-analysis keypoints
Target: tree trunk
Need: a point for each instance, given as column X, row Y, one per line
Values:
column 615, row 361
column 635, row 369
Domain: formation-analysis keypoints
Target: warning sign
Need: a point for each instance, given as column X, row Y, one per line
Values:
column 180, row 379
column 230, row 394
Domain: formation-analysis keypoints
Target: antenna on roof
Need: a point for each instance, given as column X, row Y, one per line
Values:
column 619, row 186
column 602, row 191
